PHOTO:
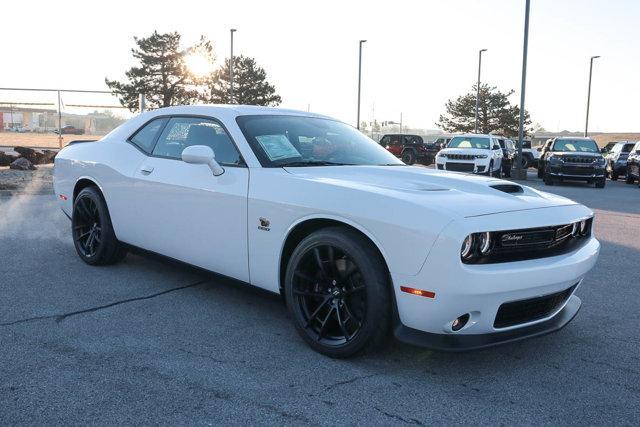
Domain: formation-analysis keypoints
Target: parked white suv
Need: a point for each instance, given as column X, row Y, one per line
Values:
column 472, row 153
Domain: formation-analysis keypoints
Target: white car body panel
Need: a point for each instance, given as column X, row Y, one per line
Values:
column 416, row 217
column 493, row 154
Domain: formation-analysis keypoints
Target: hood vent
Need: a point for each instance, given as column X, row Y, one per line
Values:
column 508, row 188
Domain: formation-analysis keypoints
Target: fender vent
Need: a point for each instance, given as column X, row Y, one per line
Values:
column 508, row 188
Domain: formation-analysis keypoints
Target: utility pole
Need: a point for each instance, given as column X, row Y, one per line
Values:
column 586, row 123
column 478, row 85
column 359, row 78
column 233, row 30
column 520, row 172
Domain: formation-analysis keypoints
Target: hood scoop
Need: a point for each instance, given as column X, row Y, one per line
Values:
column 508, row 188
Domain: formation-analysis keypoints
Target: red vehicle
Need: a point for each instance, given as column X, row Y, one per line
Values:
column 410, row 148
column 70, row 130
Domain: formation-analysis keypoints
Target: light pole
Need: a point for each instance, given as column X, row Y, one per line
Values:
column 359, row 78
column 233, row 30
column 478, row 85
column 520, row 173
column 586, row 123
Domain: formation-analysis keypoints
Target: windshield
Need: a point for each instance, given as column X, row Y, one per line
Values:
column 309, row 141
column 627, row 148
column 469, row 142
column 576, row 145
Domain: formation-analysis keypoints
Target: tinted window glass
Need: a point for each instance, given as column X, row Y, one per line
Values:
column 627, row 148
column 385, row 140
column 308, row 141
column 182, row 132
column 526, row 144
column 146, row 136
column 469, row 142
column 576, row 145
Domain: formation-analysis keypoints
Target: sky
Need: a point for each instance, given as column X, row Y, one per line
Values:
column 418, row 54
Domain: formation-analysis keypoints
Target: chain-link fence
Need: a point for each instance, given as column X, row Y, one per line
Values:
column 51, row 118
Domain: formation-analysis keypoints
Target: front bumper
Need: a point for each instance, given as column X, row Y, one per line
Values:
column 477, row 167
column 619, row 168
column 481, row 289
column 449, row 342
column 576, row 172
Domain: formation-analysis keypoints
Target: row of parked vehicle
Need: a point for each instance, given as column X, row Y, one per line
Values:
column 559, row 159
column 486, row 154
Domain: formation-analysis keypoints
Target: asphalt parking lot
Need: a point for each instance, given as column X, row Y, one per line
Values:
column 151, row 341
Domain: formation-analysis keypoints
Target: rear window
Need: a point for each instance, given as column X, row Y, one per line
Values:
column 145, row 137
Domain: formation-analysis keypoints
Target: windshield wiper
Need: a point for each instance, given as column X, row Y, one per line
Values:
column 313, row 163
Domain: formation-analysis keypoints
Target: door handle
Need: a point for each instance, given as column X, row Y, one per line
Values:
column 146, row 170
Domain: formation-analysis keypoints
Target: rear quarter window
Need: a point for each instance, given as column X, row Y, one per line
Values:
column 145, row 137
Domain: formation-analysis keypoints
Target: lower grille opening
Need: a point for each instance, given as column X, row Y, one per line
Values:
column 460, row 167
column 529, row 310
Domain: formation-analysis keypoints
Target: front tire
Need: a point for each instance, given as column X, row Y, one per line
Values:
column 548, row 180
column 92, row 231
column 409, row 157
column 337, row 293
column 600, row 183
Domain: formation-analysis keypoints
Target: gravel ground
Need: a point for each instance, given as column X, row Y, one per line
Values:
column 39, row 181
column 151, row 341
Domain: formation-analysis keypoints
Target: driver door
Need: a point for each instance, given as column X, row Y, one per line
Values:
column 183, row 210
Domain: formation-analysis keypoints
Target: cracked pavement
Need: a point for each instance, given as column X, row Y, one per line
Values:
column 153, row 341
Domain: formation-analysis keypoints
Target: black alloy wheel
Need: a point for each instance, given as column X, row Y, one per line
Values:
column 337, row 292
column 87, row 229
column 92, row 231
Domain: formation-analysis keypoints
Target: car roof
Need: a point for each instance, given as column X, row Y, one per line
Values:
column 584, row 138
column 475, row 135
column 240, row 110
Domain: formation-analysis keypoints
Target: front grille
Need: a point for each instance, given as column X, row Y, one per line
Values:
column 578, row 159
column 532, row 243
column 460, row 167
column 461, row 156
column 441, row 167
column 577, row 170
column 529, row 310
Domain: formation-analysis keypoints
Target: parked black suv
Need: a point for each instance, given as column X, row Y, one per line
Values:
column 572, row 158
column 410, row 148
column 508, row 155
column 633, row 164
column 617, row 159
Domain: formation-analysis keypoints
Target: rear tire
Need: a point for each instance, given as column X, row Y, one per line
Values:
column 628, row 178
column 338, row 293
column 600, row 183
column 614, row 176
column 92, row 231
column 540, row 172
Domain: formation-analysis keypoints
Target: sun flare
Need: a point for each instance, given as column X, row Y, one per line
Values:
column 199, row 64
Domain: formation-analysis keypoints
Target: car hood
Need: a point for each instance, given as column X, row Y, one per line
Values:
column 458, row 194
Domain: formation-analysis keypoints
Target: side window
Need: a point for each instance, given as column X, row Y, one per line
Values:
column 146, row 135
column 385, row 140
column 182, row 132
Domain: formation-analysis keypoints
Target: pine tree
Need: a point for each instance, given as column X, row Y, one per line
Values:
column 250, row 85
column 495, row 113
column 162, row 75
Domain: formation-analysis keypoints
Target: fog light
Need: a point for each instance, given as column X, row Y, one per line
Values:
column 460, row 322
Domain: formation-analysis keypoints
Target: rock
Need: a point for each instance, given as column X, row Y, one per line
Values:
column 49, row 156
column 22, row 163
column 6, row 159
column 28, row 153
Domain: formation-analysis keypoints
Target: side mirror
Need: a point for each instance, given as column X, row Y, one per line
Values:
column 202, row 155
column 539, row 148
column 603, row 150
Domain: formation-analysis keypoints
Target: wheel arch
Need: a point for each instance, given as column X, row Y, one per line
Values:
column 84, row 182
column 304, row 226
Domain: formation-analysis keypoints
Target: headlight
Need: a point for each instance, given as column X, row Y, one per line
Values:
column 481, row 156
column 484, row 242
column 467, row 247
column 601, row 161
column 555, row 160
column 583, row 227
column 443, row 155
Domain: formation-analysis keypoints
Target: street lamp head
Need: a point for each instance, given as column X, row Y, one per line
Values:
column 483, row 50
column 594, row 57
column 233, row 30
column 362, row 41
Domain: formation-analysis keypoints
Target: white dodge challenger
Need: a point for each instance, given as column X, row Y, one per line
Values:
column 358, row 244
